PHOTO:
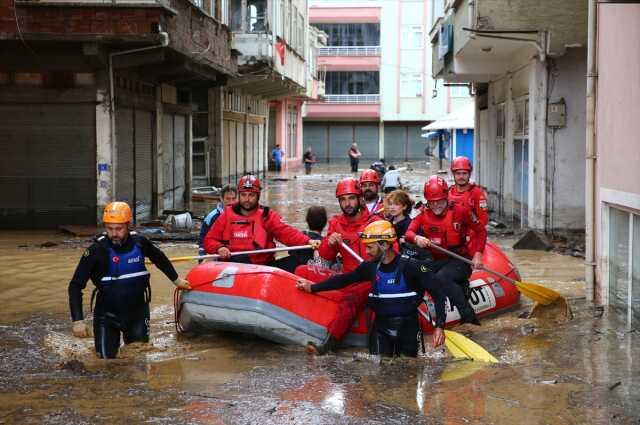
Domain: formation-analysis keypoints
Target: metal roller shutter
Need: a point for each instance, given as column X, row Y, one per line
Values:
column 144, row 164
column 340, row 139
column 125, row 157
column 367, row 137
column 42, row 184
column 315, row 137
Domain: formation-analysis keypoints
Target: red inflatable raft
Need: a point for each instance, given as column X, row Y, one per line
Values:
column 264, row 301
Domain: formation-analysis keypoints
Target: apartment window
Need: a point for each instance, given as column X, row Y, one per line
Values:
column 521, row 162
column 301, row 38
column 199, row 157
column 624, row 261
column 344, row 35
column 248, row 15
column 410, row 84
column 412, row 37
column 352, row 83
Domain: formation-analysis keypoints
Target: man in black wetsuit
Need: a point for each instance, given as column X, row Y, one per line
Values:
column 398, row 283
column 115, row 265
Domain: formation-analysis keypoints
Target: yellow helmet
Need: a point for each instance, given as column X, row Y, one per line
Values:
column 117, row 213
column 377, row 231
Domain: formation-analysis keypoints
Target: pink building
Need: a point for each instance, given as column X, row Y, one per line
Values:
column 613, row 155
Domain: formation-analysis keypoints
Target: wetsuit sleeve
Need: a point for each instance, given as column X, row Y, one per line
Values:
column 213, row 239
column 158, row 258
column 423, row 279
column 86, row 267
column 478, row 236
column 364, row 272
column 284, row 233
column 325, row 250
column 412, row 230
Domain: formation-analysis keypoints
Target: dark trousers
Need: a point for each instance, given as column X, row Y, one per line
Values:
column 107, row 328
column 278, row 166
column 354, row 165
column 453, row 276
column 394, row 336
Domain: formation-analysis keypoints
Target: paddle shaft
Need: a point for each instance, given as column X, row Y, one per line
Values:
column 352, row 252
column 255, row 251
column 466, row 260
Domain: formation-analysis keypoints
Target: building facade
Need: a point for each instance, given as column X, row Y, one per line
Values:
column 526, row 62
column 378, row 88
column 613, row 230
column 96, row 100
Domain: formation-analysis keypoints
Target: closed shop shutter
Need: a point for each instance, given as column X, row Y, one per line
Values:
column 367, row 137
column 144, row 164
column 125, row 184
column 47, row 165
column 395, row 137
column 315, row 136
column 340, row 139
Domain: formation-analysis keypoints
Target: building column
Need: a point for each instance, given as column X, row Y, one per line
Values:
column 158, row 182
column 105, row 149
column 508, row 151
column 537, row 146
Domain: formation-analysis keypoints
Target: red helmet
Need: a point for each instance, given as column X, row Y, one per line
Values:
column 461, row 163
column 348, row 186
column 249, row 183
column 370, row 176
column 435, row 189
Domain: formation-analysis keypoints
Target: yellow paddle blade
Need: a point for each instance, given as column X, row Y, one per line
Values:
column 538, row 293
column 462, row 347
column 177, row 259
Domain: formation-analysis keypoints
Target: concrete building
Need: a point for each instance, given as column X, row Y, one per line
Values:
column 263, row 105
column 613, row 152
column 97, row 102
column 527, row 62
column 378, row 88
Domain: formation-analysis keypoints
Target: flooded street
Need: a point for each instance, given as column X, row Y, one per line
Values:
column 550, row 371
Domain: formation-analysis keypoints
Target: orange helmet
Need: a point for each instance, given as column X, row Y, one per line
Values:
column 348, row 186
column 435, row 189
column 117, row 213
column 249, row 183
column 381, row 230
column 370, row 176
column 461, row 163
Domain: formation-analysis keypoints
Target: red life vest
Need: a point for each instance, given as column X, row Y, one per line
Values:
column 246, row 232
column 473, row 199
column 448, row 231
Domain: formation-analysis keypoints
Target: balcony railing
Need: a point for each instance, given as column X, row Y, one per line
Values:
column 349, row 51
column 352, row 98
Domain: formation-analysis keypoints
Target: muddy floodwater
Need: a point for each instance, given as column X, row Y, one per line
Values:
column 551, row 371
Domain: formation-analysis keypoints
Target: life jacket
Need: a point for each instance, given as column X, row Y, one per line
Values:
column 245, row 232
column 390, row 294
column 350, row 232
column 126, row 283
column 447, row 231
column 466, row 199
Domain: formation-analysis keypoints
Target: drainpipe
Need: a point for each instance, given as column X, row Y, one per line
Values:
column 164, row 42
column 590, row 186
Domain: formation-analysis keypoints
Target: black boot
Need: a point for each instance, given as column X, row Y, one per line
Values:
column 468, row 315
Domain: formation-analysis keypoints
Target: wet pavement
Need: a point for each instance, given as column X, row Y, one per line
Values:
column 551, row 371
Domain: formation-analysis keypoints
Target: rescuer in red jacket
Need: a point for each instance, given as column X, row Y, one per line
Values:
column 467, row 194
column 456, row 229
column 247, row 225
column 370, row 186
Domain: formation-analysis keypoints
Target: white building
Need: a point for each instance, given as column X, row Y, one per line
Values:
column 379, row 90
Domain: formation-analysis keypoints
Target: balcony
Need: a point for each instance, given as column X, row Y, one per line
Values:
column 352, row 98
column 349, row 51
column 345, row 107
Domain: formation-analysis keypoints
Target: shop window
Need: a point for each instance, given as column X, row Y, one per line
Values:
column 624, row 261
